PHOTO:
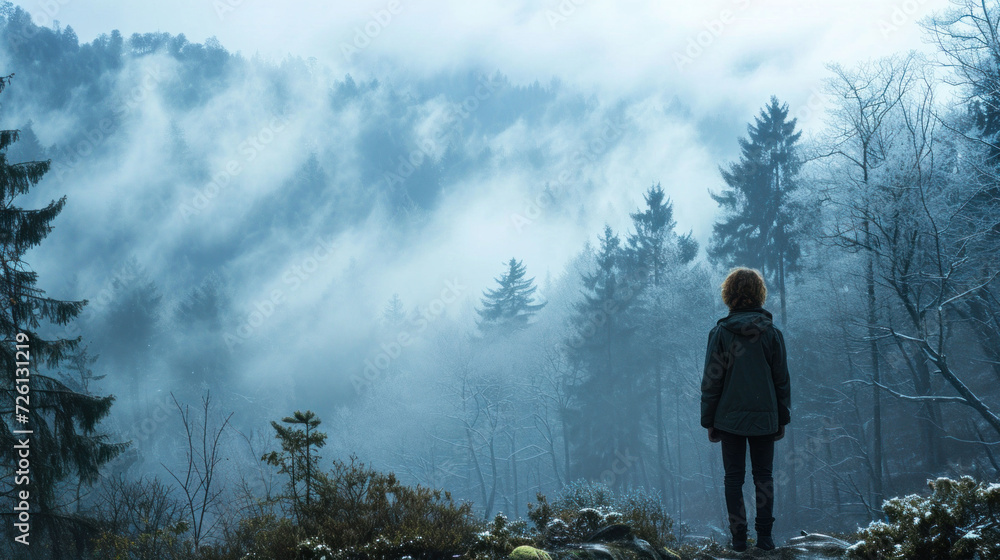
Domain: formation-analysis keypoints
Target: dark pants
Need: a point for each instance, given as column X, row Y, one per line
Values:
column 734, row 457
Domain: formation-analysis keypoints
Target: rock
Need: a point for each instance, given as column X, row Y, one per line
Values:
column 644, row 548
column 618, row 542
column 818, row 543
column 598, row 551
column 670, row 554
column 619, row 537
column 626, row 547
column 611, row 533
column 529, row 553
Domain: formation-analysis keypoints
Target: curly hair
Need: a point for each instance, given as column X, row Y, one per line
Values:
column 744, row 287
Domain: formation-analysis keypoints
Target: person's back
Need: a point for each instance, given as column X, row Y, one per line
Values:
column 745, row 398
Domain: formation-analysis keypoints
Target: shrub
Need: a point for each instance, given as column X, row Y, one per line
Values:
column 139, row 520
column 959, row 520
column 583, row 507
column 262, row 537
column 365, row 514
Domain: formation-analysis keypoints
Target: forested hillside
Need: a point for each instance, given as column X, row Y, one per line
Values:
column 257, row 238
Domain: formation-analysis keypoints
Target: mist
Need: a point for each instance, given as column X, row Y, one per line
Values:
column 299, row 207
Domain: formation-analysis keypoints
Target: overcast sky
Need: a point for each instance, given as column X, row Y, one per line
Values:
column 749, row 48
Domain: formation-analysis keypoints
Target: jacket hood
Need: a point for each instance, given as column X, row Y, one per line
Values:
column 747, row 322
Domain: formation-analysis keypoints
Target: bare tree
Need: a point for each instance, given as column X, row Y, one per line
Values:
column 197, row 481
column 917, row 216
column 866, row 100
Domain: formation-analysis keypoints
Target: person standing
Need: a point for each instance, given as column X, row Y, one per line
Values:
column 746, row 399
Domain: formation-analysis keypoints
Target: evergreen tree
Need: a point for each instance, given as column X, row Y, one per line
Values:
column 758, row 228
column 606, row 413
column 510, row 306
column 655, row 245
column 65, row 444
column 393, row 314
column 299, row 458
column 205, row 364
column 655, row 254
column 79, row 379
column 129, row 334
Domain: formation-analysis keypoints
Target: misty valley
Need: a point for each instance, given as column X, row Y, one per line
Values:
column 257, row 308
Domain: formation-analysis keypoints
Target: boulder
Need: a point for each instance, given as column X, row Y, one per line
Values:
column 529, row 553
column 820, row 544
column 611, row 533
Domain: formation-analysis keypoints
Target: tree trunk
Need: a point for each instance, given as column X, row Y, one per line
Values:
column 793, row 493
column 876, row 376
column 660, row 443
column 927, row 418
column 680, row 466
column 513, row 468
column 781, row 288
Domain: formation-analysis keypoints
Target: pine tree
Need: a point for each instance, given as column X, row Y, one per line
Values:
column 655, row 245
column 298, row 457
column 65, row 444
column 758, row 228
column 655, row 254
column 79, row 379
column 510, row 306
column 394, row 313
column 605, row 417
column 206, row 361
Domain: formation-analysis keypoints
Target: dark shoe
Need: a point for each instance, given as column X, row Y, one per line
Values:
column 765, row 542
column 739, row 543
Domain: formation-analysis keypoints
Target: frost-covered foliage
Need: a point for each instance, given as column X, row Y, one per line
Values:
column 584, row 507
column 501, row 537
column 359, row 513
column 959, row 520
column 363, row 513
column 314, row 549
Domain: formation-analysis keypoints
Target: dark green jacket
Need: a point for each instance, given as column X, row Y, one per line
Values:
column 745, row 388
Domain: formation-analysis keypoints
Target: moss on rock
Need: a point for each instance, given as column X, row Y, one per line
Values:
column 529, row 553
column 668, row 553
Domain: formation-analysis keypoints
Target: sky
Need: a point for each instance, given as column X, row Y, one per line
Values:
column 713, row 54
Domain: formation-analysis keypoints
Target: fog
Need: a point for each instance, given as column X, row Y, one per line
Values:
column 249, row 185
